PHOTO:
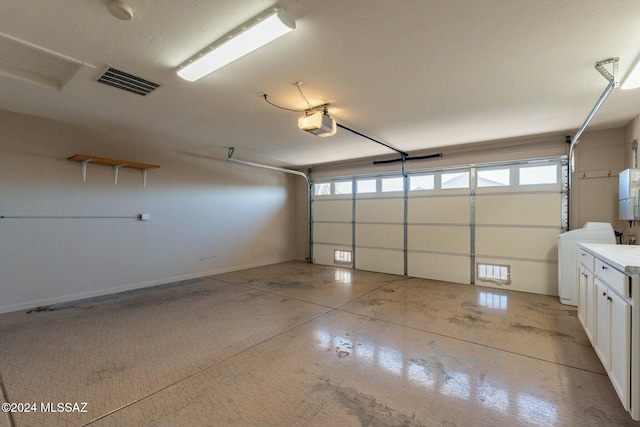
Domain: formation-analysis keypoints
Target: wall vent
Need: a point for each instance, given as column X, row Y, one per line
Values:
column 122, row 80
column 498, row 274
column 342, row 257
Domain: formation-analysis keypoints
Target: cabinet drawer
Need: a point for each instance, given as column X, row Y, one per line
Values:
column 612, row 277
column 586, row 259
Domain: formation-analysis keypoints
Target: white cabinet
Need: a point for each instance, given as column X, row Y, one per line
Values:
column 604, row 309
column 591, row 305
column 620, row 333
column 613, row 335
column 602, row 342
column 586, row 301
column 582, row 295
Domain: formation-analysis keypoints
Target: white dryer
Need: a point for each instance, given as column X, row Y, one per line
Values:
column 592, row 232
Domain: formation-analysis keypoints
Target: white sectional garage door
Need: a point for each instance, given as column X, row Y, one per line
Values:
column 438, row 225
column 495, row 225
column 379, row 224
column 519, row 212
column 332, row 219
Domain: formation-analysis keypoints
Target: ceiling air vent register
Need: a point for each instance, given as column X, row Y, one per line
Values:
column 122, row 80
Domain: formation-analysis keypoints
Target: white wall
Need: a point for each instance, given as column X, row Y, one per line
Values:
column 207, row 215
column 600, row 156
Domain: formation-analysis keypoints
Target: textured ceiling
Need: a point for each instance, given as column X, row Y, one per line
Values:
column 416, row 74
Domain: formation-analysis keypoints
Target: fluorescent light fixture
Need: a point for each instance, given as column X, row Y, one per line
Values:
column 318, row 123
column 248, row 37
column 632, row 80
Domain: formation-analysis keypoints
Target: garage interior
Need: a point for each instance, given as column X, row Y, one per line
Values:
column 187, row 254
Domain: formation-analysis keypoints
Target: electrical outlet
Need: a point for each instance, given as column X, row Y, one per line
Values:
column 144, row 217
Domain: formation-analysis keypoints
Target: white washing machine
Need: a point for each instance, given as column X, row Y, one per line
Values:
column 592, row 232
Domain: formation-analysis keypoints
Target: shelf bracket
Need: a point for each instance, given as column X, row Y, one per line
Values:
column 84, row 169
column 144, row 176
column 115, row 172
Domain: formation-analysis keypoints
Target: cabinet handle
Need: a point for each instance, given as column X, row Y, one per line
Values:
column 609, row 299
column 604, row 267
column 604, row 294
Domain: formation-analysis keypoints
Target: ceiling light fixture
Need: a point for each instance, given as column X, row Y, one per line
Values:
column 632, row 80
column 319, row 123
column 253, row 34
column 121, row 10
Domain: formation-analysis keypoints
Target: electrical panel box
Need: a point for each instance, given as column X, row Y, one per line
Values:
column 628, row 197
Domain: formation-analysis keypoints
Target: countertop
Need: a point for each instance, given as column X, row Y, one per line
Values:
column 623, row 257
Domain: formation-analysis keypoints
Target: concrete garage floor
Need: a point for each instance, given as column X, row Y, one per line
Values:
column 296, row 344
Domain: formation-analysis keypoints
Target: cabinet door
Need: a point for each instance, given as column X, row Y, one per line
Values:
column 603, row 324
column 620, row 340
column 590, row 311
column 582, row 297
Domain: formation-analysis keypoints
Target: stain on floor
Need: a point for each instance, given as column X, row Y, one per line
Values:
column 434, row 369
column 469, row 304
column 519, row 327
column 366, row 407
column 289, row 285
column 469, row 320
column 377, row 301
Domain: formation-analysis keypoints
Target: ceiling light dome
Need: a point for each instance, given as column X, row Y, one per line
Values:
column 120, row 10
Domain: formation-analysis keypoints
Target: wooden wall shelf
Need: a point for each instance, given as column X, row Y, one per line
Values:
column 115, row 163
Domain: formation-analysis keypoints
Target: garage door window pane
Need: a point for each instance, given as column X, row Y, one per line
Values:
column 322, row 189
column 392, row 184
column 454, row 180
column 538, row 175
column 342, row 187
column 366, row 186
column 494, row 178
column 421, row 182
